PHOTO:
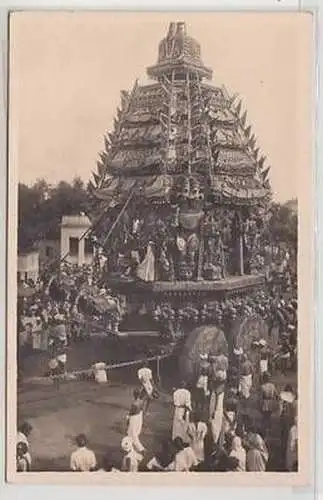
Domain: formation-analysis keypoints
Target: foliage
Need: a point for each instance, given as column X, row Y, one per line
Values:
column 42, row 206
column 283, row 223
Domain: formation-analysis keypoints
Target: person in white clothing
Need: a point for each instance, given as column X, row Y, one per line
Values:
column 264, row 356
column 216, row 422
column 197, row 430
column 240, row 453
column 185, row 458
column 292, row 448
column 24, row 431
column 146, row 380
column 82, row 459
column 131, row 459
column 182, row 408
column 135, row 418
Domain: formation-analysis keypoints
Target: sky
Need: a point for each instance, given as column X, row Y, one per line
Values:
column 67, row 71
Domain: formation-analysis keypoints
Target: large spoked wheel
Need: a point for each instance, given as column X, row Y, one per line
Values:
column 205, row 339
column 245, row 331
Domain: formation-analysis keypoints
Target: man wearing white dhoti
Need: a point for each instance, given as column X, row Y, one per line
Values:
column 245, row 381
column 264, row 357
column 146, row 380
column 218, row 377
column 135, row 421
column 182, row 408
column 197, row 430
column 202, row 385
column 216, row 420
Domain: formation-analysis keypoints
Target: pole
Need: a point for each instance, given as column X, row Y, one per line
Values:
column 118, row 218
column 158, row 369
column 189, row 128
column 241, row 254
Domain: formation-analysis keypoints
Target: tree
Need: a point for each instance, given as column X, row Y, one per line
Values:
column 42, row 206
column 283, row 223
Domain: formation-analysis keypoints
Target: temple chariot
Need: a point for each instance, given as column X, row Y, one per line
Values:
column 179, row 207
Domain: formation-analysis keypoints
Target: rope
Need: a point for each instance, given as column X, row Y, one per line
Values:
column 111, row 367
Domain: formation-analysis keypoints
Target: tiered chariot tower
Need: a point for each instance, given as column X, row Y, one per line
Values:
column 184, row 192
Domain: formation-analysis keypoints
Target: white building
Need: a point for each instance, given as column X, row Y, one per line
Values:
column 28, row 266
column 74, row 249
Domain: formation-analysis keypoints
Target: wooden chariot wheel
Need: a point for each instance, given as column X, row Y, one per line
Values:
column 206, row 339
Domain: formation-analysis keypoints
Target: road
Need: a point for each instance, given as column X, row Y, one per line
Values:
column 98, row 411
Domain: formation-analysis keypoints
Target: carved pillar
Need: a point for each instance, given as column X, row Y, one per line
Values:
column 200, row 255
column 241, row 263
column 239, row 244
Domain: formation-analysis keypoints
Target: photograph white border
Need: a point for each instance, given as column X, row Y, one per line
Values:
column 137, row 480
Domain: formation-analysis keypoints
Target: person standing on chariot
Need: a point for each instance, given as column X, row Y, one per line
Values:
column 146, row 380
column 182, row 407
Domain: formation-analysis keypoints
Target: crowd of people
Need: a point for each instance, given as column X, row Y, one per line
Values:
column 232, row 418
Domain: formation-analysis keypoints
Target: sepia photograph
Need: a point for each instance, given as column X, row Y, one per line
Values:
column 159, row 208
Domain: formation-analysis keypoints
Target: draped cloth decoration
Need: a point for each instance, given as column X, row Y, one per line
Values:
column 146, row 269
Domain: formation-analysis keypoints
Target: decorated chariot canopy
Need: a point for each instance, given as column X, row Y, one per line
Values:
column 181, row 131
column 181, row 176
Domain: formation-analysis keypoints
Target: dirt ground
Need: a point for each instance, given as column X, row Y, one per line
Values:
column 100, row 411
